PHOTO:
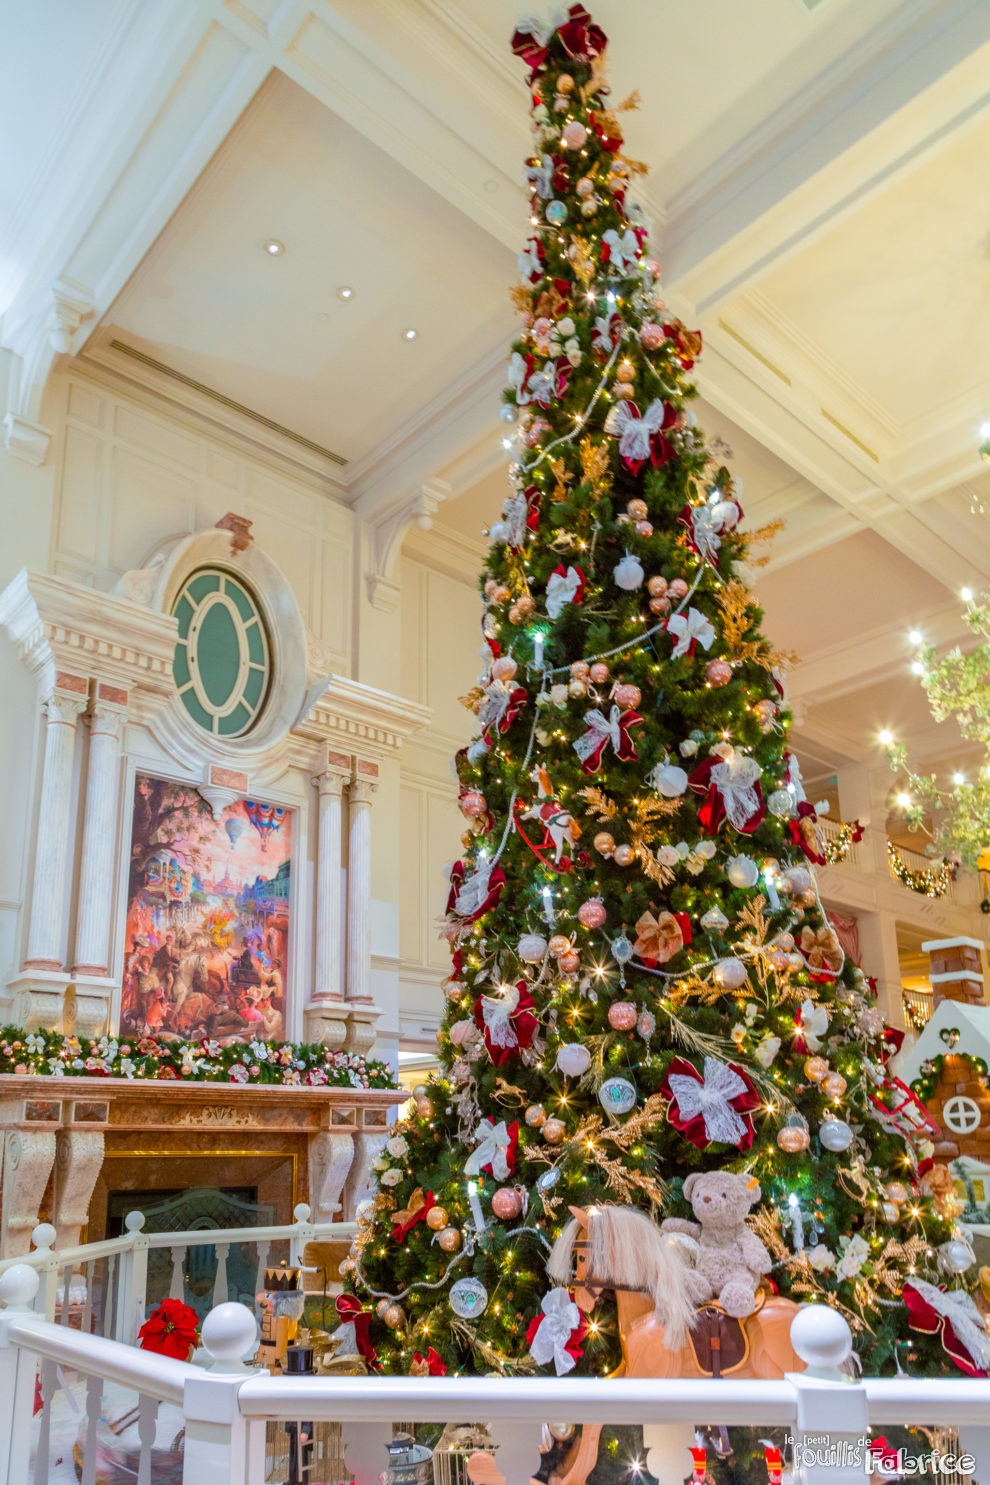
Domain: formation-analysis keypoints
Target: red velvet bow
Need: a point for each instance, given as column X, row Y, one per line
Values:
column 533, row 497
column 401, row 1230
column 573, row 1347
column 661, row 449
column 524, row 1026
column 694, row 1128
column 170, row 1330
column 676, row 334
column 561, row 571
column 610, row 139
column 349, row 1308
column 537, row 273
column 625, row 750
column 925, row 1318
column 495, row 884
column 517, row 700
column 582, row 38
column 432, row 1361
column 712, row 812
column 804, row 835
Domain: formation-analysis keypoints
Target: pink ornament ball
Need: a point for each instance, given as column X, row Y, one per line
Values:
column 644, row 528
column 628, row 695
column 506, row 1203
column 678, row 589
column 569, row 963
column 622, row 1015
column 599, row 672
column 580, row 670
column 504, row 668
column 473, row 804
column 623, row 855
column 574, row 135
column 656, row 586
column 652, row 265
column 591, row 914
column 659, row 605
column 718, row 672
column 651, row 336
column 639, row 510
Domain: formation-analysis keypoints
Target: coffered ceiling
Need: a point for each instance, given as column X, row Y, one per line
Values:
column 817, row 199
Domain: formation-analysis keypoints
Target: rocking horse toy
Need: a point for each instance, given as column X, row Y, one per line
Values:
column 668, row 1325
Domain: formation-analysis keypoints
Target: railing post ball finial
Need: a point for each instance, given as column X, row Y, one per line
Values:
column 134, row 1221
column 18, row 1287
column 229, row 1332
column 44, row 1236
column 302, row 1212
column 821, row 1337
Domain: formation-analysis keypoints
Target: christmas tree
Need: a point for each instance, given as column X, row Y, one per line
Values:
column 646, row 999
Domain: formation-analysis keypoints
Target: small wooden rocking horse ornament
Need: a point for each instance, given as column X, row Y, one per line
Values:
column 661, row 1332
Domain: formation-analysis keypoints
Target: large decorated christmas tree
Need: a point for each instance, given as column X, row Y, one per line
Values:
column 647, row 1012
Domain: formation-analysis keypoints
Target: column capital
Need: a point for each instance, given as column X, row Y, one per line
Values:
column 64, row 707
column 362, row 791
column 106, row 721
column 330, row 781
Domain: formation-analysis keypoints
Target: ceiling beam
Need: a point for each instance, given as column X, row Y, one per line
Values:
column 169, row 86
column 896, row 98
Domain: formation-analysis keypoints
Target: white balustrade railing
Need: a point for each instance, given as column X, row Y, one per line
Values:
column 102, row 1288
column 225, row 1407
column 832, row 832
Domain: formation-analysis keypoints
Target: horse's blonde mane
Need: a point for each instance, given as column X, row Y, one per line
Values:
column 626, row 1248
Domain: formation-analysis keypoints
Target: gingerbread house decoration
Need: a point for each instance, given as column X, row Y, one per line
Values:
column 947, row 1067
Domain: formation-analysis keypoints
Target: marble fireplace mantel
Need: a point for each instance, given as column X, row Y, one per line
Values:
column 60, row 1133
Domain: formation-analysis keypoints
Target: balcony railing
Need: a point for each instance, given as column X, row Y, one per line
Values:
column 223, row 1411
column 918, row 1007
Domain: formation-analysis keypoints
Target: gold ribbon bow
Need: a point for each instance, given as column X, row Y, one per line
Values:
column 658, row 938
column 821, row 949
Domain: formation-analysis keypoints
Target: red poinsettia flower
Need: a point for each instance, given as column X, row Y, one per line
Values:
column 170, row 1330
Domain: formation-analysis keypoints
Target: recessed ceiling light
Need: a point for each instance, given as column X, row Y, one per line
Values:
column 915, row 637
column 885, row 738
column 274, row 248
column 958, row 778
column 966, row 594
column 904, row 801
column 345, row 292
column 985, row 429
column 409, row 334
column 918, row 667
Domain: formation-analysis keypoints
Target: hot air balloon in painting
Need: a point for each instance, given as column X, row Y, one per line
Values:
column 234, row 828
column 266, row 819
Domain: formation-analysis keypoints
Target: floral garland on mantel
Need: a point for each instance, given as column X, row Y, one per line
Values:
column 288, row 1064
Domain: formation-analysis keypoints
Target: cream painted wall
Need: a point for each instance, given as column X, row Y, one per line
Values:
column 127, row 472
column 440, row 637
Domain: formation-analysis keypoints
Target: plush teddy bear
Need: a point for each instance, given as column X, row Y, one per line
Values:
column 730, row 1257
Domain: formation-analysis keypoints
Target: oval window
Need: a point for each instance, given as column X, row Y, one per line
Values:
column 222, row 665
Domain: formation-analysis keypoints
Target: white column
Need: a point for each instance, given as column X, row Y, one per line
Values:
column 44, row 950
column 95, row 906
column 329, row 922
column 360, row 793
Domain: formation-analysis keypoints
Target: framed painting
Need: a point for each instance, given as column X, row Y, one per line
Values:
column 209, row 909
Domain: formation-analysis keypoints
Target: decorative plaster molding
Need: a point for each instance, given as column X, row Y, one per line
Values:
column 386, row 535
column 27, row 441
column 61, row 627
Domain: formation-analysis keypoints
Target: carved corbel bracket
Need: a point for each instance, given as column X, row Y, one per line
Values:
column 47, row 331
column 387, row 533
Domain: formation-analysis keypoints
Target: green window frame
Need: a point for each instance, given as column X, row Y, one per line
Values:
column 222, row 665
